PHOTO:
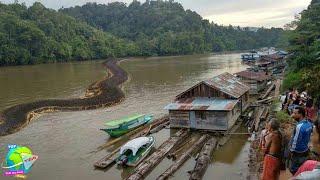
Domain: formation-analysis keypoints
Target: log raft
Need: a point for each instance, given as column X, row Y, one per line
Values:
column 154, row 159
column 183, row 158
column 203, row 159
column 109, row 159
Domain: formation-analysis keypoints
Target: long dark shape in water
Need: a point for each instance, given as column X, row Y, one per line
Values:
column 105, row 93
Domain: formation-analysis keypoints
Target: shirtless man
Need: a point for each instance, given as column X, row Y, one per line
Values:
column 272, row 158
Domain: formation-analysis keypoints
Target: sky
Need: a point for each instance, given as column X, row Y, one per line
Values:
column 253, row 13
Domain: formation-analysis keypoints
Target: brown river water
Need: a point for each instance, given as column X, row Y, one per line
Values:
column 67, row 142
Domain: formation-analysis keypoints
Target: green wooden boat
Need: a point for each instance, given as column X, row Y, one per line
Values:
column 134, row 151
column 119, row 127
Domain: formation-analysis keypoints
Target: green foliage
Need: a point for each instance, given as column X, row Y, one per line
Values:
column 38, row 35
column 283, row 117
column 304, row 64
column 293, row 79
column 165, row 28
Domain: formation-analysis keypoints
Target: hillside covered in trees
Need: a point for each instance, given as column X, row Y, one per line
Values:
column 304, row 64
column 165, row 28
column 36, row 34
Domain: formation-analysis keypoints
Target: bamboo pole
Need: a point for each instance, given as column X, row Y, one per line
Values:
column 182, row 159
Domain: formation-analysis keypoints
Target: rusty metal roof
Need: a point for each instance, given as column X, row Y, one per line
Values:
column 228, row 84
column 203, row 103
column 273, row 56
column 259, row 76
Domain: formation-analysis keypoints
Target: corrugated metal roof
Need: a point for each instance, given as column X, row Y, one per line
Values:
column 273, row 56
column 202, row 103
column 259, row 76
column 228, row 84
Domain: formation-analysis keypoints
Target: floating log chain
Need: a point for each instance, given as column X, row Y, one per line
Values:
column 104, row 93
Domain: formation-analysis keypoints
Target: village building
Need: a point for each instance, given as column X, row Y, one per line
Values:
column 257, row 81
column 214, row 104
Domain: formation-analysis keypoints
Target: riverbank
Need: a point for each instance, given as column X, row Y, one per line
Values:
column 287, row 125
column 256, row 155
column 103, row 93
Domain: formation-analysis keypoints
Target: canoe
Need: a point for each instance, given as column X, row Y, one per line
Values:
column 134, row 151
column 119, row 127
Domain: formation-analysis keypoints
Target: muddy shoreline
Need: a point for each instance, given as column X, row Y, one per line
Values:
column 102, row 93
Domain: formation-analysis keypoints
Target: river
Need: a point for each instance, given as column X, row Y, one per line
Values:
column 65, row 141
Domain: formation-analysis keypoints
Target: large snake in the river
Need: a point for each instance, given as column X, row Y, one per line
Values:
column 100, row 94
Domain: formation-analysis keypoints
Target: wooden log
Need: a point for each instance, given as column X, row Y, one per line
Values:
column 203, row 160
column 154, row 159
column 107, row 160
column 252, row 122
column 265, row 114
column 179, row 148
column 268, row 91
column 183, row 158
column 258, row 118
column 157, row 129
column 264, row 100
column 277, row 89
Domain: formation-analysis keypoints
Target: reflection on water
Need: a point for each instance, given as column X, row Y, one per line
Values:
column 232, row 149
column 66, row 142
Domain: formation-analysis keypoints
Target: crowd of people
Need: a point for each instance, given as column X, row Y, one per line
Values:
column 294, row 153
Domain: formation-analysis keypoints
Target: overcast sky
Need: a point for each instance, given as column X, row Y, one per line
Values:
column 267, row 13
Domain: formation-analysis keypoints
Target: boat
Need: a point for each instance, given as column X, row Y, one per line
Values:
column 119, row 127
column 251, row 56
column 134, row 151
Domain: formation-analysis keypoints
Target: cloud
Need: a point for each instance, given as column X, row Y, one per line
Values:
column 265, row 13
column 268, row 15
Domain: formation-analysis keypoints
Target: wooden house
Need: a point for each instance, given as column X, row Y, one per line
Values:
column 214, row 104
column 274, row 59
column 257, row 81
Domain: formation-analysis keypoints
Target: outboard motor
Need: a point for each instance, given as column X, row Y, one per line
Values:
column 122, row 160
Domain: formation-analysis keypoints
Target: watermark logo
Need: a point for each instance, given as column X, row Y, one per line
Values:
column 18, row 161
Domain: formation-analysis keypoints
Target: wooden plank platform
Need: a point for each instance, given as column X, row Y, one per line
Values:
column 183, row 158
column 154, row 159
column 107, row 160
